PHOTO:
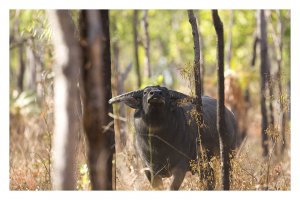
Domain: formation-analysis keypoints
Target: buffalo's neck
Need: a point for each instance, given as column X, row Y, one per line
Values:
column 156, row 121
column 158, row 126
column 158, row 138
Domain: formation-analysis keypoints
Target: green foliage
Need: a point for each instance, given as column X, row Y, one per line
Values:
column 32, row 23
column 29, row 28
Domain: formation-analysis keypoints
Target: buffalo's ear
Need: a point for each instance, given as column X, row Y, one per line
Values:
column 178, row 99
column 178, row 103
column 132, row 99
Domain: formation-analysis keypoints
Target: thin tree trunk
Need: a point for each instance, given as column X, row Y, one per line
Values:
column 97, row 87
column 254, row 49
column 201, row 44
column 277, row 38
column 106, row 92
column 270, row 84
column 197, row 82
column 68, row 64
column 263, row 72
column 229, row 40
column 147, row 69
column 136, row 48
column 221, row 126
column 30, row 72
column 279, row 61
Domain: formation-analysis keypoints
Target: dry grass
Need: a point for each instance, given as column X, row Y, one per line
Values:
column 249, row 171
column 30, row 159
column 30, row 164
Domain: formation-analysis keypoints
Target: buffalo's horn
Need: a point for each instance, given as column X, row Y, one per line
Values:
column 126, row 96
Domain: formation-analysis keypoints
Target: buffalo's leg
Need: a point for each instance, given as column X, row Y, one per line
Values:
column 177, row 179
column 155, row 181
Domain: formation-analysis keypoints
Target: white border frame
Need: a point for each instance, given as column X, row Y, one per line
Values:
column 143, row 4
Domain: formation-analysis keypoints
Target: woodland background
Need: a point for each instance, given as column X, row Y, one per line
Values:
column 164, row 56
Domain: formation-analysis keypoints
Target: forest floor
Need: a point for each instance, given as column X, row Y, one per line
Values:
column 30, row 162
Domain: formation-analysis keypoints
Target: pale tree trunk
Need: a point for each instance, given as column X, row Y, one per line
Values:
column 30, row 72
column 271, row 84
column 271, row 94
column 67, row 68
column 262, row 34
column 279, row 63
column 221, row 126
column 147, row 69
column 99, row 129
column 277, row 36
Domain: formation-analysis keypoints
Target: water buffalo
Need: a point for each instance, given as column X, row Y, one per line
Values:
column 167, row 133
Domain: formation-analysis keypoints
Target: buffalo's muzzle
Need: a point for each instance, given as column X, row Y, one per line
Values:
column 155, row 97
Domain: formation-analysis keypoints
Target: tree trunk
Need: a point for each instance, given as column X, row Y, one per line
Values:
column 136, row 48
column 263, row 72
column 221, row 126
column 279, row 61
column 94, row 27
column 254, row 48
column 277, row 38
column 68, row 64
column 30, row 72
column 201, row 44
column 198, row 92
column 147, row 68
column 271, row 94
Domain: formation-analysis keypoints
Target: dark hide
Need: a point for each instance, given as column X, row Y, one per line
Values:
column 166, row 132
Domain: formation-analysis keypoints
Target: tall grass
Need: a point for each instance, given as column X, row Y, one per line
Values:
column 31, row 132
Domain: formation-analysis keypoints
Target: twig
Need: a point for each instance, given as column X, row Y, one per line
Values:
column 117, row 117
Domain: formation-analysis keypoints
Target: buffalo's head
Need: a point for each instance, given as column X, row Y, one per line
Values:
column 150, row 98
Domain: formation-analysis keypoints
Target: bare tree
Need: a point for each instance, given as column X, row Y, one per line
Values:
column 201, row 44
column 221, row 126
column 271, row 94
column 30, row 72
column 262, row 33
column 198, row 101
column 277, row 35
column 147, row 68
column 94, row 28
column 68, row 64
column 254, row 48
column 136, row 47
